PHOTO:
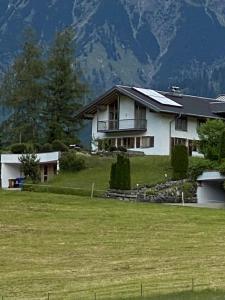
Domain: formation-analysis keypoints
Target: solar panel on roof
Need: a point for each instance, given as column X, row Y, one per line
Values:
column 157, row 97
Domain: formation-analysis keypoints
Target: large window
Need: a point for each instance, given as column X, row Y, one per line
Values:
column 148, row 141
column 181, row 123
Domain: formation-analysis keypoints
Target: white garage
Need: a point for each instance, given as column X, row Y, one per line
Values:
column 210, row 188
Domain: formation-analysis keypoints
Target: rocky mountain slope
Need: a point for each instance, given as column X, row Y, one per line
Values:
column 151, row 43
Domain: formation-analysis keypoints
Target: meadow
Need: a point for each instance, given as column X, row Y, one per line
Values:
column 69, row 247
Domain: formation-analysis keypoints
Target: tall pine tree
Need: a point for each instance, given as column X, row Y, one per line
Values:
column 64, row 88
column 22, row 92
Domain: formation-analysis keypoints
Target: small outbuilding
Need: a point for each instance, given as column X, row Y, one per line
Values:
column 210, row 188
column 11, row 175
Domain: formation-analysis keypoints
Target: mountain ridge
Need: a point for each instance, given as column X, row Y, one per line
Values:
column 134, row 42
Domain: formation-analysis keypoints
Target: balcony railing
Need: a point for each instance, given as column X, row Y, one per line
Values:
column 122, row 125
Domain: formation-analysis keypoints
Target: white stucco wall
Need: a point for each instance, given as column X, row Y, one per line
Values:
column 9, row 172
column 126, row 113
column 190, row 134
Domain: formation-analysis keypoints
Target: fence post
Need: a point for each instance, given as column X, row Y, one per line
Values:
column 95, row 296
column 141, row 290
column 48, row 296
column 182, row 196
column 192, row 284
column 92, row 189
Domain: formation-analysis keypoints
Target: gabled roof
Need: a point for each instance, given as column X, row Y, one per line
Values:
column 191, row 105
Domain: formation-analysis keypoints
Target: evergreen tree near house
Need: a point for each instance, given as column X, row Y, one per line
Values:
column 120, row 178
column 22, row 92
column 64, row 89
column 222, row 146
column 179, row 162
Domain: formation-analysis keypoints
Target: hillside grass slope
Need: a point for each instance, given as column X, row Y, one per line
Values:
column 144, row 170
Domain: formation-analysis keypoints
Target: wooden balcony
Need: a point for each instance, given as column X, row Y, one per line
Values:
column 122, row 125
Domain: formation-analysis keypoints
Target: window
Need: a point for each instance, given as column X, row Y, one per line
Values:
column 138, row 142
column 148, row 141
column 128, row 142
column 181, row 123
column 119, row 142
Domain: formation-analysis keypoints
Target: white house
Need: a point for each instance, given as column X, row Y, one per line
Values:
column 149, row 121
column 11, row 173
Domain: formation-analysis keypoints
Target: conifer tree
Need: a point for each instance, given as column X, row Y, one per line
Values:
column 222, row 146
column 64, row 89
column 22, row 92
column 179, row 162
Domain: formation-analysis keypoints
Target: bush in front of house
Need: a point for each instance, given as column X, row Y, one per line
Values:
column 112, row 148
column 120, row 173
column 221, row 167
column 58, row 145
column 70, row 161
column 122, row 149
column 179, row 162
column 30, row 167
column 19, row 148
column 198, row 165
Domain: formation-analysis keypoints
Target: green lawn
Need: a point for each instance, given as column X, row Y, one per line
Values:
column 144, row 170
column 74, row 247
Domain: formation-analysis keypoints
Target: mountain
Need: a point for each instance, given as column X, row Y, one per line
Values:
column 151, row 43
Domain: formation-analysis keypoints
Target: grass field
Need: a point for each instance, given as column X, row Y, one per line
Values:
column 74, row 247
column 144, row 170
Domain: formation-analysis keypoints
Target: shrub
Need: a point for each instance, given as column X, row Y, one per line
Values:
column 69, row 161
column 46, row 148
column 57, row 145
column 221, row 168
column 198, row 166
column 19, row 148
column 120, row 173
column 112, row 148
column 122, row 149
column 210, row 137
column 179, row 162
column 30, row 167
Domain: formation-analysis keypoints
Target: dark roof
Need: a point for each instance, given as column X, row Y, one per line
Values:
column 191, row 105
